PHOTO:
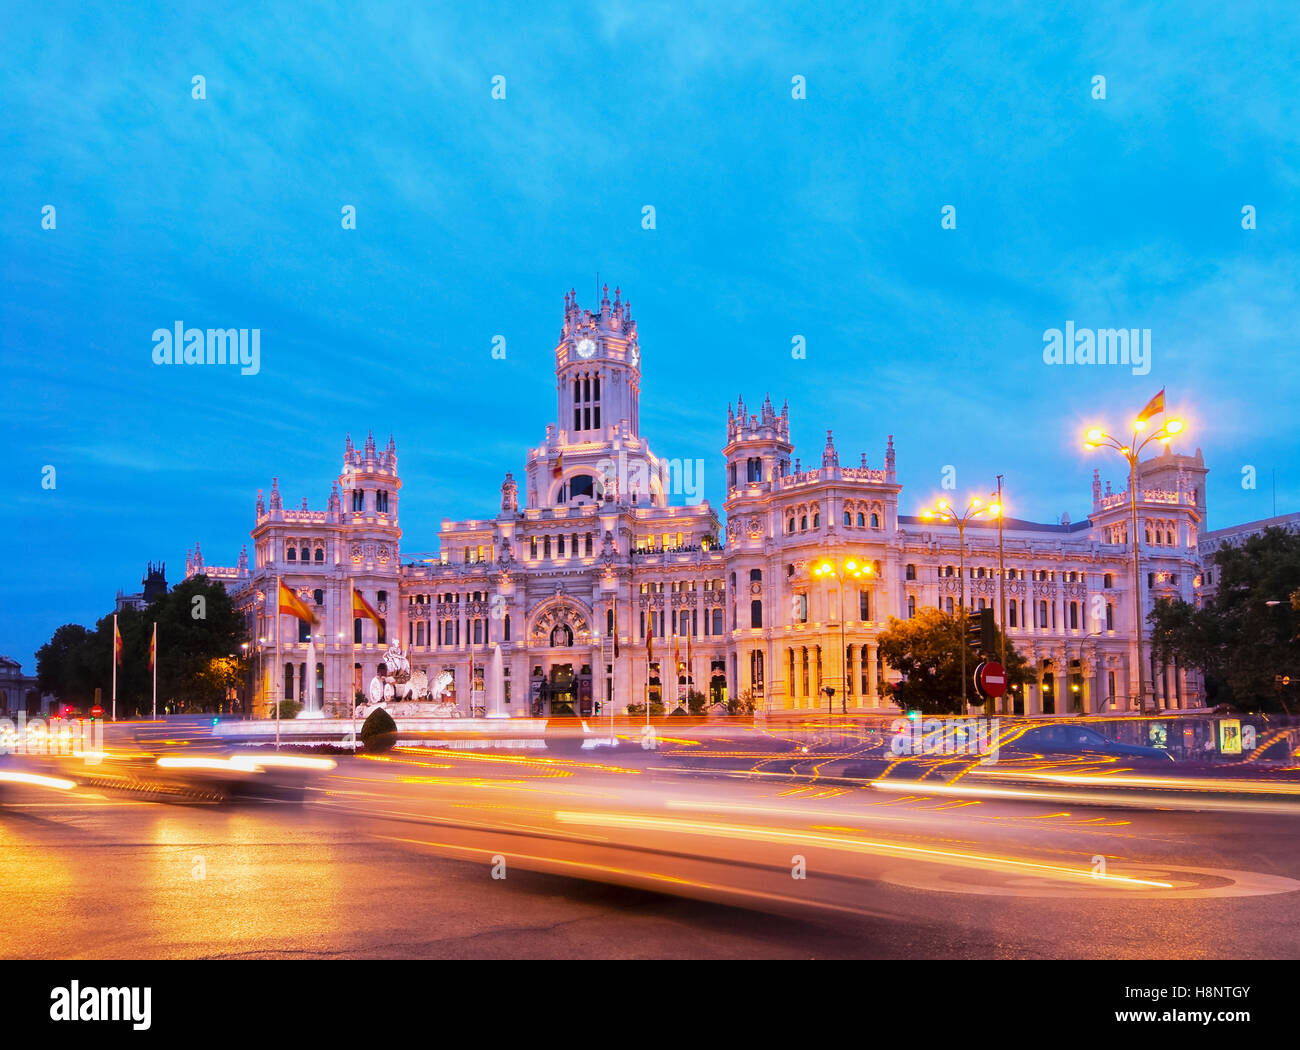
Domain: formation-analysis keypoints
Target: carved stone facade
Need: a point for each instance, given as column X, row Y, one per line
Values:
column 521, row 609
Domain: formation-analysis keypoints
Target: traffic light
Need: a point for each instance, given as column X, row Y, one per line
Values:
column 980, row 629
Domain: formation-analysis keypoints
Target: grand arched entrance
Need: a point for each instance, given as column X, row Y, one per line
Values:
column 560, row 684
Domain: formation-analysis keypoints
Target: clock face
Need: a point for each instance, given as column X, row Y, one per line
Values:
column 586, row 348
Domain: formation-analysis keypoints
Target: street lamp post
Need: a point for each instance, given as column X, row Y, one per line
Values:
column 945, row 513
column 856, row 571
column 1097, row 438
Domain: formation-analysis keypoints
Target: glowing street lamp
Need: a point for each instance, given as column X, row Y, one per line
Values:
column 1131, row 450
column 852, row 569
column 948, row 516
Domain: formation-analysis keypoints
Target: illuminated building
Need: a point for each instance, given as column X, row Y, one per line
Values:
column 528, row 595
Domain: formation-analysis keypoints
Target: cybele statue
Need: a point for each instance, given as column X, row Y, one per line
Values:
column 397, row 682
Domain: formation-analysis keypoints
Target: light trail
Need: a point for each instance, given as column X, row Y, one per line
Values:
column 788, row 836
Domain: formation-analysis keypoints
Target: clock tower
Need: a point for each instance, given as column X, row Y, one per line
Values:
column 598, row 370
column 594, row 451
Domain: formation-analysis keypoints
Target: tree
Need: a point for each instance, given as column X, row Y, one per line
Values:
column 926, row 649
column 200, row 635
column 199, row 652
column 1237, row 638
column 65, row 665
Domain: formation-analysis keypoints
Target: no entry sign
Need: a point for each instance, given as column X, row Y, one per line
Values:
column 991, row 679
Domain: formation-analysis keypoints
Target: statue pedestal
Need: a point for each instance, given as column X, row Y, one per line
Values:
column 413, row 709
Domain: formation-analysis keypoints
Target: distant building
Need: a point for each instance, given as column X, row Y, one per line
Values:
column 1235, row 536
column 521, row 607
column 154, row 586
column 16, row 688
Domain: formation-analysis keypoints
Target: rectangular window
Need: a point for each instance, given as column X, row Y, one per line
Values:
column 864, row 605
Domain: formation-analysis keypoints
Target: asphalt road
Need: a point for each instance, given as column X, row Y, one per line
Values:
column 443, row 853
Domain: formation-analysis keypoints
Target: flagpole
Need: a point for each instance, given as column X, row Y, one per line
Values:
column 279, row 669
column 613, row 671
column 352, row 608
column 115, row 637
column 153, row 654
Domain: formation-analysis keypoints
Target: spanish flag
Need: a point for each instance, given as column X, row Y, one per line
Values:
column 290, row 603
column 650, row 636
column 153, row 647
column 1154, row 406
column 361, row 607
column 558, row 469
column 117, row 644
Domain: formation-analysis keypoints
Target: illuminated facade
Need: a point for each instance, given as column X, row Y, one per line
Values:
column 522, row 607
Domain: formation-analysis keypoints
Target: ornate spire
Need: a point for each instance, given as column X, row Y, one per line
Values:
column 261, row 507
column 242, row 564
column 830, row 458
column 334, row 509
column 347, row 448
column 276, row 502
column 1096, row 487
column 370, row 444
column 889, row 459
column 509, row 494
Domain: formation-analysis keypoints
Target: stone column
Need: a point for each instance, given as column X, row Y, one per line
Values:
column 873, row 685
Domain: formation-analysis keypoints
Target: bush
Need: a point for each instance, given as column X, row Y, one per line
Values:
column 742, row 704
column 656, row 708
column 379, row 733
column 696, row 701
column 289, row 709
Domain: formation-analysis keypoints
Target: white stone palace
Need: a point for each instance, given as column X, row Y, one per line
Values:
column 521, row 606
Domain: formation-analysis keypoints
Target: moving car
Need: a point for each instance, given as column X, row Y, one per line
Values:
column 1080, row 740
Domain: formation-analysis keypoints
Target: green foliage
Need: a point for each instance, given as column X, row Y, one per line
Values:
column 742, row 704
column 656, row 708
column 1236, row 638
column 199, row 658
column 696, row 701
column 68, row 664
column 926, row 650
column 379, row 733
column 289, row 709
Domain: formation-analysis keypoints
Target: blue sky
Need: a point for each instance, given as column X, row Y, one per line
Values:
column 775, row 217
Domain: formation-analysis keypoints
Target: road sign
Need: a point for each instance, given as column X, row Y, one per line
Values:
column 991, row 679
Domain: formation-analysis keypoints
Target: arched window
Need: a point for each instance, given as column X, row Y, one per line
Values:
column 582, row 485
column 306, row 554
column 505, row 628
column 909, row 573
column 318, row 596
column 875, row 521
column 817, row 520
column 803, row 523
column 862, row 521
column 848, row 520
column 292, row 554
column 320, row 553
column 911, row 606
